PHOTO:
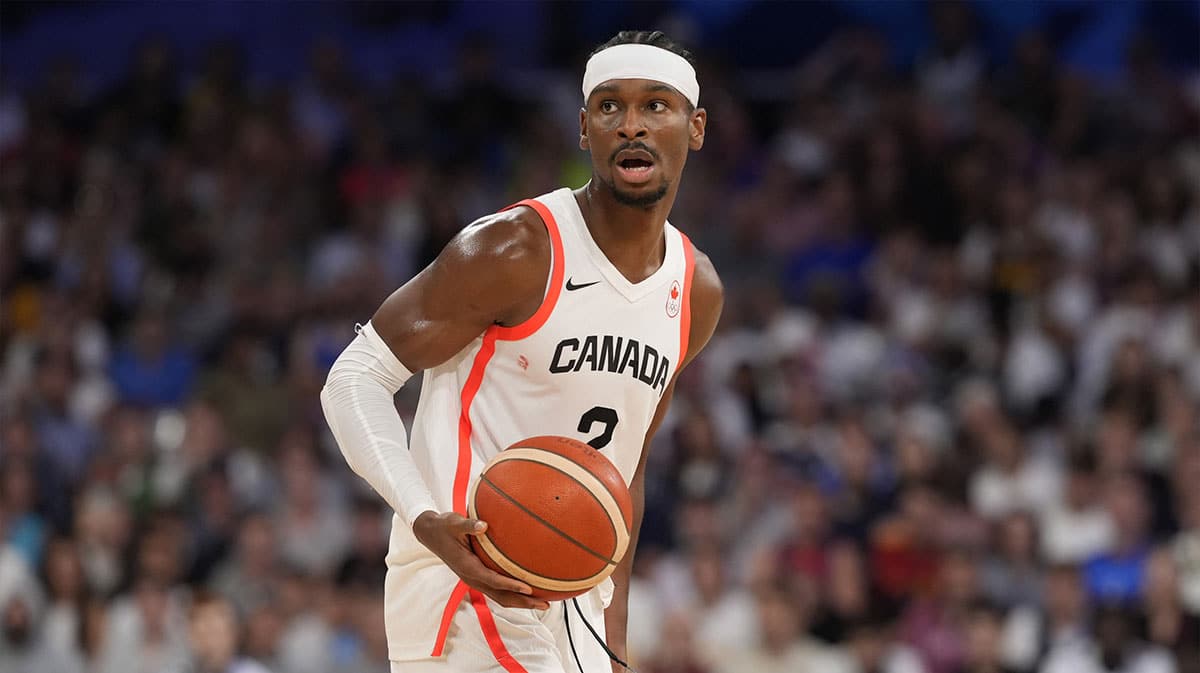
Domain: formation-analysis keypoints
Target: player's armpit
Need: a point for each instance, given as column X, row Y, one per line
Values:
column 492, row 272
column 616, row 616
column 707, row 300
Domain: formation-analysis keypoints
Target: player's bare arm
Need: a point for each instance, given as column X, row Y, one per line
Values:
column 708, row 297
column 493, row 272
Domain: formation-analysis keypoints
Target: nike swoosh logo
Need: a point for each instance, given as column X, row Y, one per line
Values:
column 571, row 287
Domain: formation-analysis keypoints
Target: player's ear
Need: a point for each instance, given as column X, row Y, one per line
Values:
column 696, row 128
column 583, row 139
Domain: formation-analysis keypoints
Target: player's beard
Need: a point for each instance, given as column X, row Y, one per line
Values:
column 636, row 200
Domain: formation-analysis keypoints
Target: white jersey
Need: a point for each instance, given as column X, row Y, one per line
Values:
column 592, row 363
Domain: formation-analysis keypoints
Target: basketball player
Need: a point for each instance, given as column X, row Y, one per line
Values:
column 570, row 314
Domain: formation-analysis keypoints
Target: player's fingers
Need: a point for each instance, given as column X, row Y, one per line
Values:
column 471, row 526
column 514, row 600
column 500, row 582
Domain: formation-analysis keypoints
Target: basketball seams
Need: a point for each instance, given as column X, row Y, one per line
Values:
column 579, row 464
column 538, row 581
column 540, row 578
column 561, row 533
column 582, row 475
column 584, row 478
column 516, row 570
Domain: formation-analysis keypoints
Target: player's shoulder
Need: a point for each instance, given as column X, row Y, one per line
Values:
column 707, row 289
column 707, row 300
column 514, row 234
column 510, row 245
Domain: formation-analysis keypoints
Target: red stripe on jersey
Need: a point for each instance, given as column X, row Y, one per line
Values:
column 462, row 472
column 685, row 314
column 493, row 635
column 557, row 266
column 456, row 597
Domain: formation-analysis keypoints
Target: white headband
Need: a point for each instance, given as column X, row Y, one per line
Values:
column 641, row 61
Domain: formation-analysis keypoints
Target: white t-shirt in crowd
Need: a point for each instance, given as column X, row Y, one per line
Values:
column 1073, row 536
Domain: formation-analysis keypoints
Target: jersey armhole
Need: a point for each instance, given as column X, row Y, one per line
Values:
column 554, row 286
column 685, row 312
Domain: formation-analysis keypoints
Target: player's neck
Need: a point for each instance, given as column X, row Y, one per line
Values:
column 629, row 236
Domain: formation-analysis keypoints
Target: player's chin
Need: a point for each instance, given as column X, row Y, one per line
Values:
column 641, row 194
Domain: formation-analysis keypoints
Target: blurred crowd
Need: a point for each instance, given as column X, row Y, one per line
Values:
column 948, row 424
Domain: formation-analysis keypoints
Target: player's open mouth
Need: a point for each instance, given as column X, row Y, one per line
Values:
column 635, row 165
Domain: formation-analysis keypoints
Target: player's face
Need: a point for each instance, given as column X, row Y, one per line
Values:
column 639, row 132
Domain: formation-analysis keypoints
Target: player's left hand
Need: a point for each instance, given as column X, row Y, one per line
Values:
column 446, row 535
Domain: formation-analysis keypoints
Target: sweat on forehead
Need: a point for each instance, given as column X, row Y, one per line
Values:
column 641, row 61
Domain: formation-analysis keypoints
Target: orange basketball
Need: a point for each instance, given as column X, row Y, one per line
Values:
column 558, row 515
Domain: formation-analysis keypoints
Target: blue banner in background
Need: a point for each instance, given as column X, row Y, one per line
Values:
column 384, row 39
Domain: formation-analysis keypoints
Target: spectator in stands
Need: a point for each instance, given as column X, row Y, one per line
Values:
column 1011, row 479
column 24, row 528
column 804, row 546
column 1012, row 575
column 104, row 531
column 846, row 594
column 1119, row 574
column 1116, row 648
column 783, row 645
column 858, row 484
column 67, row 598
column 683, row 656
column 936, row 625
column 906, row 547
column 874, row 648
column 722, row 615
column 150, row 370
column 245, row 390
column 1186, row 547
column 23, row 646
column 213, row 633
column 146, row 630
column 984, row 634
column 1167, row 624
column 248, row 576
column 264, row 629
column 309, row 509
column 371, row 655
column 1079, row 527
column 1061, row 624
column 68, row 441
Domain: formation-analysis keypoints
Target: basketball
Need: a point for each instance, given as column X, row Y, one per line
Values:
column 558, row 515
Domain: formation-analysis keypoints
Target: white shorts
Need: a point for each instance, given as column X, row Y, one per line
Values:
column 495, row 639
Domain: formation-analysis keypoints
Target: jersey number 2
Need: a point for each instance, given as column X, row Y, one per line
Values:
column 603, row 415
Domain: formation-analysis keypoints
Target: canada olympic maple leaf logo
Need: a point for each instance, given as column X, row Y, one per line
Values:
column 673, row 300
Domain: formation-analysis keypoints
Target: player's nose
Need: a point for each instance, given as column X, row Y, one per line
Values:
column 632, row 125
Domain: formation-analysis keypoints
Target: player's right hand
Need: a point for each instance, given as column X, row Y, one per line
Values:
column 446, row 535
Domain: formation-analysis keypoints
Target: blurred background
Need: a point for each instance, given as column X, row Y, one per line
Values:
column 948, row 424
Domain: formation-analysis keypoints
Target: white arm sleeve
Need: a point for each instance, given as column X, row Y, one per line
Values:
column 361, row 412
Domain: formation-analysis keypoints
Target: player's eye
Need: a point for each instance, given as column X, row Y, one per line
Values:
column 608, row 106
column 658, row 106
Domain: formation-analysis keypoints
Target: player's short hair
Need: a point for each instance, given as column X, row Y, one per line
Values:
column 654, row 38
